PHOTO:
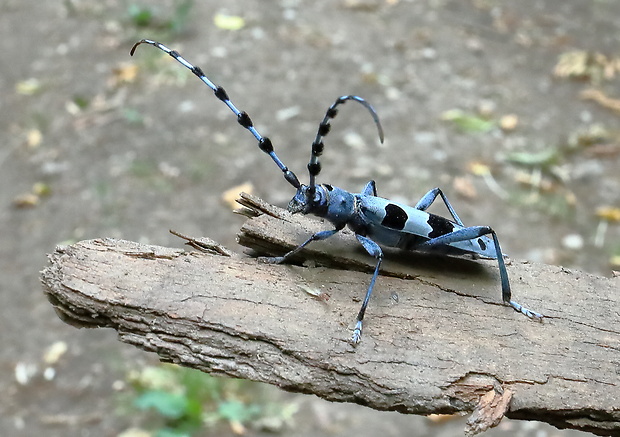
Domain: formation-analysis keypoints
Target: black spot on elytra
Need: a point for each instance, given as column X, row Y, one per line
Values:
column 395, row 217
column 481, row 243
column 441, row 226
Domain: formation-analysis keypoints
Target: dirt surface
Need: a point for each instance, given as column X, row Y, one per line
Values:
column 93, row 147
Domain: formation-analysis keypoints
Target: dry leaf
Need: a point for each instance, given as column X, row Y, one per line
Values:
column 478, row 168
column 237, row 427
column 599, row 97
column 465, row 187
column 34, row 138
column 26, row 200
column 442, row 418
column 230, row 196
column 572, row 64
column 31, row 199
column 125, row 73
column 581, row 64
column 509, row 122
column 55, row 352
column 535, row 179
column 608, row 213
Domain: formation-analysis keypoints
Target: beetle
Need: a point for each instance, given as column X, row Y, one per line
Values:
column 374, row 220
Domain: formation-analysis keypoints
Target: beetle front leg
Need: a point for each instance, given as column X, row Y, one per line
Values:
column 322, row 235
column 373, row 249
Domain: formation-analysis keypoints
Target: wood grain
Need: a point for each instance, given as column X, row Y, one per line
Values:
column 444, row 343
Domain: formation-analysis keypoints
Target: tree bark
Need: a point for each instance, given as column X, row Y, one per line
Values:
column 437, row 338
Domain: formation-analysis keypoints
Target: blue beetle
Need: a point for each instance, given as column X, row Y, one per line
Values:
column 373, row 219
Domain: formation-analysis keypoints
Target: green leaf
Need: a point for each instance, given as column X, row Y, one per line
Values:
column 468, row 122
column 170, row 405
column 81, row 101
column 170, row 432
column 132, row 116
column 228, row 22
column 141, row 16
column 236, row 411
column 544, row 158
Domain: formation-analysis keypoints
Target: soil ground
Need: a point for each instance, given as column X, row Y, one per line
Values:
column 98, row 144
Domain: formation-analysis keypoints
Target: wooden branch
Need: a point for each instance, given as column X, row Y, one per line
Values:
column 437, row 338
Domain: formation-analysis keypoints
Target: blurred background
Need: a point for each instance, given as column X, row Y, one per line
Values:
column 511, row 107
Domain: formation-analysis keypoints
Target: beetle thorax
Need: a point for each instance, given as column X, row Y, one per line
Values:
column 331, row 203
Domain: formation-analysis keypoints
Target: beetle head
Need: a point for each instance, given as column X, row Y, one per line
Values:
column 308, row 200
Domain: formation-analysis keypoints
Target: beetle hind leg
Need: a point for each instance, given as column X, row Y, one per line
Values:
column 521, row 309
column 427, row 200
column 471, row 233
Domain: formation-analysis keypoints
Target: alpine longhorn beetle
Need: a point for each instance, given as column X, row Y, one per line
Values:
column 373, row 219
